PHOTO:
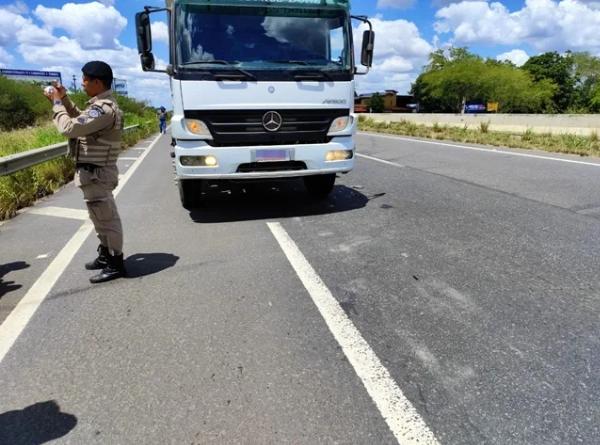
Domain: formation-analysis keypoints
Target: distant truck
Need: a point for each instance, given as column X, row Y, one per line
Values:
column 261, row 89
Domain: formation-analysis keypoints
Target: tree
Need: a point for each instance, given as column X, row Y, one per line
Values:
column 376, row 103
column 594, row 103
column 558, row 69
column 457, row 76
column 587, row 73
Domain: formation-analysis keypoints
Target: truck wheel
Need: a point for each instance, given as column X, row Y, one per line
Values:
column 190, row 192
column 319, row 186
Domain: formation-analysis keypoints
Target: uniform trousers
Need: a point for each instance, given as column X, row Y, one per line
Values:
column 97, row 184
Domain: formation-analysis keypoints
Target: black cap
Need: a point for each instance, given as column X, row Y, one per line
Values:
column 98, row 70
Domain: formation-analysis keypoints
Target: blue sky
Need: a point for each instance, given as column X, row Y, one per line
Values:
column 59, row 35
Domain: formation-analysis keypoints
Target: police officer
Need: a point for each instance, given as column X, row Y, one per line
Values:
column 95, row 142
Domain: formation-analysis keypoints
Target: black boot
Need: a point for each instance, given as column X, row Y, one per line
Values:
column 101, row 262
column 115, row 269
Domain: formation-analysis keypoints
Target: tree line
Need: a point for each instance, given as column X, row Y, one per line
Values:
column 546, row 83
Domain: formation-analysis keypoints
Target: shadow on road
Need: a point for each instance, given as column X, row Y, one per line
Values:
column 272, row 200
column 142, row 264
column 9, row 286
column 36, row 424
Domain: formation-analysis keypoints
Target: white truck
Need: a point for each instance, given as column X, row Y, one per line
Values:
column 262, row 89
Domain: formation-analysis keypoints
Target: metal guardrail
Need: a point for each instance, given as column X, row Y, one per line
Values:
column 20, row 161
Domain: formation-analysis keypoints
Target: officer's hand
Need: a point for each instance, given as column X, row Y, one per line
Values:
column 54, row 93
column 60, row 90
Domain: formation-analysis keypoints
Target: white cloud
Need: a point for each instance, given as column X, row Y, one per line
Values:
column 68, row 56
column 5, row 57
column 395, row 4
column 400, row 53
column 18, row 7
column 544, row 24
column 516, row 56
column 93, row 25
column 160, row 32
column 31, row 34
column 92, row 31
column 10, row 23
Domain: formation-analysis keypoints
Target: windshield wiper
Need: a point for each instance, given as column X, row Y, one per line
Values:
column 312, row 75
column 290, row 62
column 223, row 76
column 205, row 62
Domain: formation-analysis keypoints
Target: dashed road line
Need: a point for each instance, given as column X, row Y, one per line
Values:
column 402, row 418
column 17, row 320
column 60, row 212
column 383, row 161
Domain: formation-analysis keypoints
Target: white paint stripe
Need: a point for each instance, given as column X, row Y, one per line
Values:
column 60, row 212
column 123, row 158
column 139, row 148
column 485, row 150
column 402, row 418
column 383, row 161
column 17, row 320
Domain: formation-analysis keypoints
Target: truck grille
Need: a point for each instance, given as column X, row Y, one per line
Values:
column 271, row 166
column 244, row 127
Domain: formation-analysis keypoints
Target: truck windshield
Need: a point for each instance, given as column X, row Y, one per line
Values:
column 262, row 38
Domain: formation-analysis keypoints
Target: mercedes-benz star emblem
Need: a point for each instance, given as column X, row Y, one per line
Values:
column 272, row 121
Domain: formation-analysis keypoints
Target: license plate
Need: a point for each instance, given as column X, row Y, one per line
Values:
column 272, row 155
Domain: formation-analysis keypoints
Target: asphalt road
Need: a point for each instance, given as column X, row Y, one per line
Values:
column 466, row 281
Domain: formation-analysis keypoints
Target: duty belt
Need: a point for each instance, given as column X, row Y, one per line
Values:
column 87, row 167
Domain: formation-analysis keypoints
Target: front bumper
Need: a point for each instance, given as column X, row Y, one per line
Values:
column 230, row 159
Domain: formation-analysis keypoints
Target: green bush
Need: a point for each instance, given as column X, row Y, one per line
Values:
column 21, row 104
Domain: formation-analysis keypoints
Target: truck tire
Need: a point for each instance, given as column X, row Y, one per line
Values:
column 190, row 192
column 319, row 186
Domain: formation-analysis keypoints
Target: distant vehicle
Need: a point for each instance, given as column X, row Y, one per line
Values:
column 475, row 108
column 260, row 89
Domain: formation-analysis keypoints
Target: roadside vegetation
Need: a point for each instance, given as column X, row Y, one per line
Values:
column 25, row 123
column 563, row 143
column 546, row 83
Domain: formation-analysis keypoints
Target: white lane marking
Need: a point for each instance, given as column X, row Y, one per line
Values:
column 402, row 418
column 17, row 320
column 139, row 148
column 485, row 150
column 383, row 161
column 123, row 158
column 43, row 256
column 60, row 212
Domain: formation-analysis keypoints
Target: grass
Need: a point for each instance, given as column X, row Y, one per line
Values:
column 23, row 188
column 558, row 143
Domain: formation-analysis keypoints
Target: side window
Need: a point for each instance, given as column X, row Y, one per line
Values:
column 336, row 45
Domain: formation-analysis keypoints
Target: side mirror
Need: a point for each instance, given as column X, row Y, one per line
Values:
column 368, row 46
column 144, row 40
column 147, row 61
column 144, row 33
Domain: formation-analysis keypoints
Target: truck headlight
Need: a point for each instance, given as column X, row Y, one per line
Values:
column 340, row 124
column 197, row 127
column 339, row 155
column 199, row 161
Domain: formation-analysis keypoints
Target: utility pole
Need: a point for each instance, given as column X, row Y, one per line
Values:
column 74, row 83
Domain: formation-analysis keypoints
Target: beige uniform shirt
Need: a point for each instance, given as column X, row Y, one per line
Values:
column 94, row 133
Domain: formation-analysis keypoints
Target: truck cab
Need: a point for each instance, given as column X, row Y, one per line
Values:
column 261, row 90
